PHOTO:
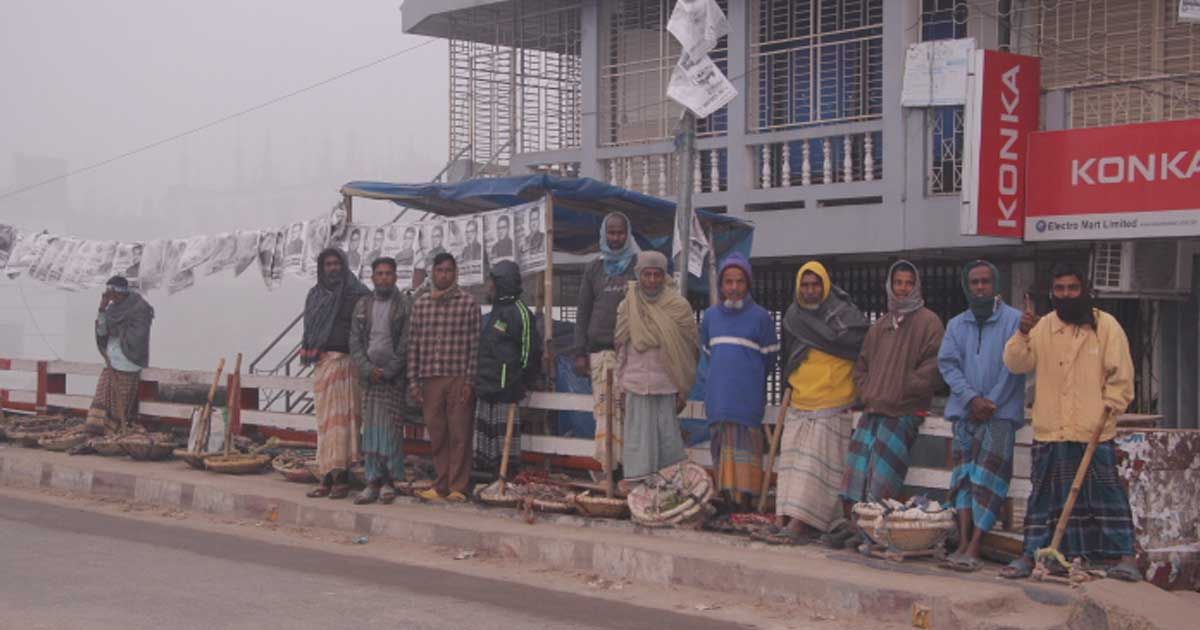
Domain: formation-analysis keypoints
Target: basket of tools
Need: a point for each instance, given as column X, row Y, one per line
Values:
column 596, row 505
column 148, row 447
column 238, row 463
column 677, row 495
column 293, row 465
column 28, row 432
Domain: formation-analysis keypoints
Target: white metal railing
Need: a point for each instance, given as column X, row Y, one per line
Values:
column 843, row 158
column 657, row 173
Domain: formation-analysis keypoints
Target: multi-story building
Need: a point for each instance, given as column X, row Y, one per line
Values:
column 816, row 149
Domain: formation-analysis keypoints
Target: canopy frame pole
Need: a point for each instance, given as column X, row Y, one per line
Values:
column 548, row 291
column 348, row 204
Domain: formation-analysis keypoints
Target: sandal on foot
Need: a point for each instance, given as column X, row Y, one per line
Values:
column 1125, row 571
column 370, row 494
column 837, row 538
column 319, row 492
column 387, row 494
column 775, row 535
column 1018, row 569
column 963, row 563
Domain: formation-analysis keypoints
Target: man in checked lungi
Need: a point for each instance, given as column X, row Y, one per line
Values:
column 1084, row 375
column 986, row 408
column 742, row 347
column 823, row 333
column 123, row 336
column 896, row 375
column 378, row 345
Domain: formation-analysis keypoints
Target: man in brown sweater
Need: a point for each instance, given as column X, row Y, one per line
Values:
column 896, row 375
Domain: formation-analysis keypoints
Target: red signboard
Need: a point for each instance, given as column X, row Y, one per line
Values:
column 1129, row 181
column 1001, row 113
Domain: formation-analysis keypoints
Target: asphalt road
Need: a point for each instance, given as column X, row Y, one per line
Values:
column 70, row 568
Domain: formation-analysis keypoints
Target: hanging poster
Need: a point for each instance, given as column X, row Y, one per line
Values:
column 246, row 250
column 39, row 269
column 152, row 272
column 533, row 245
column 178, row 277
column 293, row 251
column 372, row 248
column 406, row 253
column 279, row 259
column 127, row 259
column 266, row 255
column 353, row 246
column 8, row 241
column 224, row 254
column 66, row 252
column 24, row 254
column 497, row 236
column 469, row 249
column 316, row 239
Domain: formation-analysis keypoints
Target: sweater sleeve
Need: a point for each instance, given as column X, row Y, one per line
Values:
column 358, row 337
column 1118, row 367
column 474, row 327
column 1020, row 353
column 950, row 363
column 395, row 367
column 925, row 376
column 414, row 337
column 583, row 314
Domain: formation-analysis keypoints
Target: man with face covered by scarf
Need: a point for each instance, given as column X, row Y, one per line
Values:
column 602, row 289
column 123, row 337
column 328, row 312
column 986, row 408
column 1084, row 376
column 896, row 374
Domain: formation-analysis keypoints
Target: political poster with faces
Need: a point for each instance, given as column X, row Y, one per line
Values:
column 224, row 254
column 373, row 238
column 266, row 255
column 467, row 248
column 246, row 250
column 316, row 239
column 533, row 246
column 406, row 252
column 293, row 250
column 127, row 261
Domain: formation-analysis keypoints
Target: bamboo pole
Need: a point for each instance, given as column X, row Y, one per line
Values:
column 508, row 435
column 775, row 436
column 609, row 486
column 205, row 428
column 232, row 398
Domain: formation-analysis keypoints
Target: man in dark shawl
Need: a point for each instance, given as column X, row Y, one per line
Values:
column 123, row 337
column 823, row 332
column 328, row 311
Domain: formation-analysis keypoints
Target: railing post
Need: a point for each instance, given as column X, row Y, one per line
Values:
column 39, row 403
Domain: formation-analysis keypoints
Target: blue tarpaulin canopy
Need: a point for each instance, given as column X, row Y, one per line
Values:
column 579, row 206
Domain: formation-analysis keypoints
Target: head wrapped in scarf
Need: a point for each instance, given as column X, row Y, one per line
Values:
column 507, row 277
column 663, row 321
column 736, row 260
column 981, row 307
column 617, row 261
column 835, row 326
column 898, row 307
column 818, row 270
column 129, row 321
column 323, row 302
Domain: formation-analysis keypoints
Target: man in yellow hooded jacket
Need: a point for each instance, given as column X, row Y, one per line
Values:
column 823, row 332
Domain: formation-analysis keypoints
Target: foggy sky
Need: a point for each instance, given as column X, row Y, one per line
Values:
column 87, row 81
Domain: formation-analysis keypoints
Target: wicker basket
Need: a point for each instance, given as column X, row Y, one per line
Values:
column 901, row 532
column 28, row 439
column 240, row 464
column 107, row 446
column 490, row 495
column 685, row 487
column 565, row 506
column 148, row 447
column 598, row 506
column 193, row 460
column 64, row 440
column 296, row 472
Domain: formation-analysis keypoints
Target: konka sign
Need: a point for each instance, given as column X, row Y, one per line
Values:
column 1129, row 181
column 1001, row 113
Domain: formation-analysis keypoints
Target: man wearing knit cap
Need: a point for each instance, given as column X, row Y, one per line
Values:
column 986, row 407
column 739, row 338
column 657, row 347
column 822, row 334
column 896, row 375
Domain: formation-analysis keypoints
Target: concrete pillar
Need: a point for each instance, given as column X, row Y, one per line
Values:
column 589, row 50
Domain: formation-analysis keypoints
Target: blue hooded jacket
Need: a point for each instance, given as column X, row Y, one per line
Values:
column 971, row 361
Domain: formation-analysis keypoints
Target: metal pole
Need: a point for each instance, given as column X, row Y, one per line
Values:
column 685, row 146
column 348, row 204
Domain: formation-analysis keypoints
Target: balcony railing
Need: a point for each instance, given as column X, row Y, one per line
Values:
column 844, row 158
column 658, row 173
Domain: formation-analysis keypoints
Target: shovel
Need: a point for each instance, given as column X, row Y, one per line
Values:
column 776, row 434
column 1048, row 555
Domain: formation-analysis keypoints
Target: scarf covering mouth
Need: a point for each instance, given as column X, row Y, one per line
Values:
column 617, row 261
column 982, row 307
column 901, row 306
column 129, row 320
column 665, row 322
column 323, row 302
column 835, row 326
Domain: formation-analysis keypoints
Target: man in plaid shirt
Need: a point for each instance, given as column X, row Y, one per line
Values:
column 443, row 356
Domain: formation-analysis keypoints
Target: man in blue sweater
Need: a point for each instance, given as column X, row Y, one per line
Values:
column 986, row 407
column 742, row 346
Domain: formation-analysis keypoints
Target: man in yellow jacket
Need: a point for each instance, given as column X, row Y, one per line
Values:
column 1084, row 376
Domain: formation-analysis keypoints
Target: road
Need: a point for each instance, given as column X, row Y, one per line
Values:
column 65, row 567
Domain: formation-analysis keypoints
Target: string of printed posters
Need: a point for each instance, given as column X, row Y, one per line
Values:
column 515, row 233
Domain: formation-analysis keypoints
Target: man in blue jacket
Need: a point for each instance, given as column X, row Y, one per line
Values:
column 986, row 407
column 742, row 347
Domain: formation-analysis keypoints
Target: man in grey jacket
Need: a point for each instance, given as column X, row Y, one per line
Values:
column 378, row 346
column 602, row 290
column 123, row 337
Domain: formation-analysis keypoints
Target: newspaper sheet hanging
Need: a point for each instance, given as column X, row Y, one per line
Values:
column 47, row 251
column 127, row 260
column 699, row 85
column 65, row 253
column 152, row 272
column 224, row 254
column 469, row 248
column 178, row 278
column 405, row 253
column 698, row 253
column 8, row 242
column 24, row 254
column 247, row 250
column 935, row 73
column 698, row 24
column 372, row 248
column 316, row 239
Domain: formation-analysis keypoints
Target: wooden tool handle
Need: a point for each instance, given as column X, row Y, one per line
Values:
column 610, row 408
column 776, row 434
column 231, row 398
column 206, row 413
column 508, row 434
column 1080, row 475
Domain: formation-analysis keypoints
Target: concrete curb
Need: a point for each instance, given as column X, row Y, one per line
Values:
column 840, row 583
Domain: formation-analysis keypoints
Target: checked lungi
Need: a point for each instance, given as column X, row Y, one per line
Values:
column 1101, row 524
column 879, row 457
column 983, row 463
column 337, row 402
column 115, row 404
column 737, row 455
column 812, row 459
column 490, row 424
column 382, row 436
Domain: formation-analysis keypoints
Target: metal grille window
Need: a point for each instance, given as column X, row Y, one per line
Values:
column 515, row 82
column 639, row 55
column 944, row 19
column 815, row 62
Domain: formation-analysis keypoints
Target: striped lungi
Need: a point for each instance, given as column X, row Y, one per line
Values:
column 600, row 363
column 115, row 404
column 812, row 459
column 879, row 457
column 335, row 391
column 382, row 438
column 652, row 437
column 983, row 463
column 737, row 455
column 1101, row 524
column 490, row 424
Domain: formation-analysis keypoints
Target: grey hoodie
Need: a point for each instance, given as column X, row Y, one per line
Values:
column 599, row 296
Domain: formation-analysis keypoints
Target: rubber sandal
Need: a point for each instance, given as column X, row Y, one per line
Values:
column 1125, row 571
column 319, row 492
column 369, row 495
column 1018, row 569
column 963, row 564
column 456, row 497
column 837, row 538
column 775, row 535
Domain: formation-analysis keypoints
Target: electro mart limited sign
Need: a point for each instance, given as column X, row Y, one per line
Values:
column 1001, row 113
column 1128, row 181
